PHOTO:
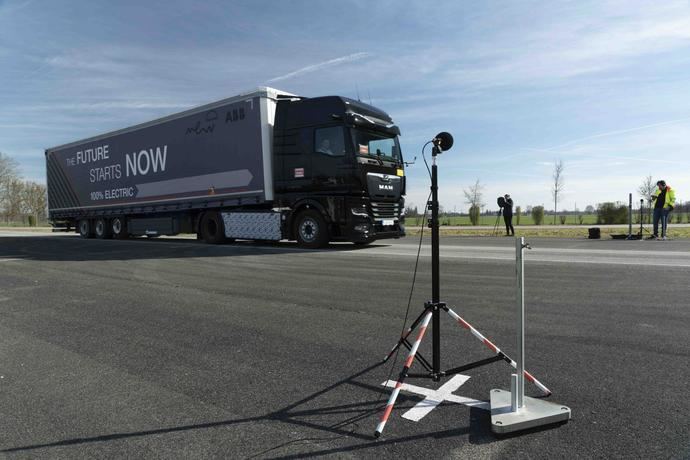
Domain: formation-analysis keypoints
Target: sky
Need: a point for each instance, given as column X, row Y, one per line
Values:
column 603, row 86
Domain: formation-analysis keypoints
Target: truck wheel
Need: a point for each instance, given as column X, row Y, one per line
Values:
column 85, row 229
column 101, row 229
column 118, row 227
column 212, row 229
column 311, row 230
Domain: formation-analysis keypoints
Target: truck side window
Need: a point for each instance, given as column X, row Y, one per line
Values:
column 330, row 141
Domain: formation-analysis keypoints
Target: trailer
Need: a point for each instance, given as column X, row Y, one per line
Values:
column 264, row 165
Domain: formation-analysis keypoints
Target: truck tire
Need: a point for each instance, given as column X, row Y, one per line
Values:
column 85, row 229
column 101, row 229
column 212, row 229
column 311, row 230
column 118, row 227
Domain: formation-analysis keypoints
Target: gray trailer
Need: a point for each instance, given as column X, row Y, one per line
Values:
column 225, row 171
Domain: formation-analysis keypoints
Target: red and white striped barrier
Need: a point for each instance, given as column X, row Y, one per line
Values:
column 403, row 374
column 496, row 350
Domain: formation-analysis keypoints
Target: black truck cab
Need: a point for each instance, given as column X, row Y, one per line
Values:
column 341, row 157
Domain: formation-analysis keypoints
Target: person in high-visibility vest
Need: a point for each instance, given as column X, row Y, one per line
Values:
column 663, row 200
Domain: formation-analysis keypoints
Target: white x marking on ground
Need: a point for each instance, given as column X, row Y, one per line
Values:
column 435, row 397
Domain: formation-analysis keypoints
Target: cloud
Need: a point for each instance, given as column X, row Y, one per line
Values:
column 322, row 65
column 560, row 42
column 658, row 143
column 618, row 132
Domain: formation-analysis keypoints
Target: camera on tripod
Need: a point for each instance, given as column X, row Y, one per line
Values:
column 501, row 201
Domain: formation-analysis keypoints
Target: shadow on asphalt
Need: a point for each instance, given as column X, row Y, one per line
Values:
column 339, row 422
column 77, row 249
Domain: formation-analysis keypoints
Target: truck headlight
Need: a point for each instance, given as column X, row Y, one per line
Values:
column 359, row 211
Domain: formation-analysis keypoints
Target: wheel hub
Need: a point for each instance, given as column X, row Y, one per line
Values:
column 308, row 230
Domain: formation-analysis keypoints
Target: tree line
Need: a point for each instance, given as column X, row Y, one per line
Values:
column 21, row 201
column 606, row 213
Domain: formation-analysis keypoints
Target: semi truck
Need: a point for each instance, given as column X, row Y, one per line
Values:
column 263, row 165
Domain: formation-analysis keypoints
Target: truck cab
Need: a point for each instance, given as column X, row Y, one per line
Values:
column 340, row 158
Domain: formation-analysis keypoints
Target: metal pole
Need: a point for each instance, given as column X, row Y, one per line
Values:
column 630, row 211
column 520, row 272
column 525, row 412
column 435, row 278
column 641, row 206
column 513, row 393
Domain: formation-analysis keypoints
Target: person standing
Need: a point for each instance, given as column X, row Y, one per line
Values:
column 664, row 199
column 508, row 215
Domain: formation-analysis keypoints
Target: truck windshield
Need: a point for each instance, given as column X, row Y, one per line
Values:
column 379, row 145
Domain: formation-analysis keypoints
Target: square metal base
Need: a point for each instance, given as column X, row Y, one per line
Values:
column 533, row 413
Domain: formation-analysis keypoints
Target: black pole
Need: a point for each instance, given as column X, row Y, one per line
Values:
column 641, row 203
column 630, row 211
column 435, row 278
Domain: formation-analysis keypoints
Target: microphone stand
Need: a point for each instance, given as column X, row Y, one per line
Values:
column 435, row 267
column 432, row 313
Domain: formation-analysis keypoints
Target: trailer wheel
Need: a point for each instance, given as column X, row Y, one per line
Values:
column 118, row 227
column 101, row 229
column 311, row 230
column 212, row 229
column 85, row 229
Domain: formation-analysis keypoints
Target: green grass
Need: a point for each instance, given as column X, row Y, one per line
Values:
column 587, row 219
column 548, row 232
column 23, row 225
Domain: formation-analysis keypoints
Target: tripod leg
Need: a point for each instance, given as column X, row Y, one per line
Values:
column 496, row 350
column 403, row 374
column 405, row 335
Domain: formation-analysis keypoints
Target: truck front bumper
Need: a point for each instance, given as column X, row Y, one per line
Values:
column 366, row 222
column 366, row 231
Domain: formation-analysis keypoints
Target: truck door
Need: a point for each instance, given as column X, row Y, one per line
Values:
column 293, row 157
column 332, row 160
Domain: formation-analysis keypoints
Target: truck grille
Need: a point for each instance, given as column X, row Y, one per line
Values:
column 385, row 210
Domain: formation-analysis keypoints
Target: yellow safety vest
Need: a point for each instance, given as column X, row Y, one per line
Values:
column 670, row 200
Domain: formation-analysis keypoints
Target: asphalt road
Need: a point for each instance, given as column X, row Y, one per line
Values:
column 170, row 348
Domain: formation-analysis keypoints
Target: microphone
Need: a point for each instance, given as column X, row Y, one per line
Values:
column 443, row 140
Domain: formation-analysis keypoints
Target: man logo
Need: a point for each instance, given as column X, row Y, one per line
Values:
column 385, row 187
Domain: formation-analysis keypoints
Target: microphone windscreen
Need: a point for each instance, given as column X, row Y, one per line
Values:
column 445, row 140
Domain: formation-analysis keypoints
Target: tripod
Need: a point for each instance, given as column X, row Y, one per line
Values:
column 649, row 217
column 498, row 219
column 432, row 314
